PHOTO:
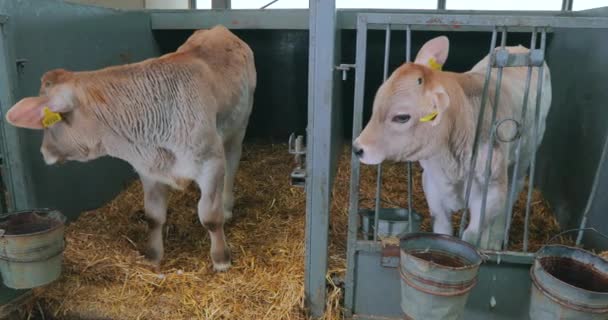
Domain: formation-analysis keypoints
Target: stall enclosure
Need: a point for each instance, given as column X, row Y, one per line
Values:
column 504, row 277
column 294, row 64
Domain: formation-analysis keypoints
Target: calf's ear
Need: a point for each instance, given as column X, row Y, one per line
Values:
column 434, row 53
column 27, row 113
column 441, row 102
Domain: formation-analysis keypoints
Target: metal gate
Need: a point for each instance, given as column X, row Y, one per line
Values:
column 372, row 282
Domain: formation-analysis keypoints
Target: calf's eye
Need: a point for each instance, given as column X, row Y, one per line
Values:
column 401, row 118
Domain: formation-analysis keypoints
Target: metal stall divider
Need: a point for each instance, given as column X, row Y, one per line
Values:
column 496, row 238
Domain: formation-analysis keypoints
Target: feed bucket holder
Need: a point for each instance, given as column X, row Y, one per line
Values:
column 437, row 274
column 31, row 247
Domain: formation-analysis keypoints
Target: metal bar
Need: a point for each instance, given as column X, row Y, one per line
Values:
column 321, row 86
column 269, row 4
column 297, row 19
column 458, row 21
column 511, row 197
column 567, row 5
column 353, row 211
column 473, row 161
column 192, row 4
column 408, row 44
column 410, row 182
column 387, row 48
column 594, row 187
column 539, row 90
column 488, row 168
column 220, row 4
column 441, row 4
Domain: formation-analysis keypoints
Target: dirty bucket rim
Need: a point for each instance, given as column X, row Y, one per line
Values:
column 566, row 304
column 61, row 219
column 539, row 255
column 416, row 235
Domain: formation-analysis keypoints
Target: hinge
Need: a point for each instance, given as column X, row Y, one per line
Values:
column 298, row 149
column 344, row 67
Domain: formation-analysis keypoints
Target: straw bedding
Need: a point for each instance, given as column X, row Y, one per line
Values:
column 105, row 277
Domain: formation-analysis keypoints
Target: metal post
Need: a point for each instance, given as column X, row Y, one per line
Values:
column 441, row 4
column 320, row 149
column 511, row 197
column 567, row 5
column 488, row 169
column 473, row 161
column 220, row 4
column 192, row 4
column 539, row 90
column 353, row 211
column 410, row 182
column 269, row 4
column 387, row 48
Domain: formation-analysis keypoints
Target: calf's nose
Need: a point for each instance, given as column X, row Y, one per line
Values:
column 357, row 150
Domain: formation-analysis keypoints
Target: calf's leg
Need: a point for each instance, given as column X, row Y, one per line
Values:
column 211, row 212
column 492, row 229
column 155, row 206
column 232, row 150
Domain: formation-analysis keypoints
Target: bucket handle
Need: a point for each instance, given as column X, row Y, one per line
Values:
column 577, row 229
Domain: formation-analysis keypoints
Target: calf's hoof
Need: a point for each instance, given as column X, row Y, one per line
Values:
column 227, row 215
column 221, row 260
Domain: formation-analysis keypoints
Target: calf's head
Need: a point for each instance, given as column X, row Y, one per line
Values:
column 408, row 110
column 69, row 130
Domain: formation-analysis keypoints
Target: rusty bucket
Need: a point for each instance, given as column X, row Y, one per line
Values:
column 568, row 283
column 437, row 274
column 31, row 247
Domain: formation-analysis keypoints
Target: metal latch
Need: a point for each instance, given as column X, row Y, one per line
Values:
column 344, row 67
column 297, row 148
column 390, row 256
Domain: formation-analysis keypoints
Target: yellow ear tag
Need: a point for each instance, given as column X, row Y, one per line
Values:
column 429, row 117
column 433, row 64
column 50, row 117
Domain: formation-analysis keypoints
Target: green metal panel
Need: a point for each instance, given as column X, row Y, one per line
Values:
column 378, row 294
column 576, row 128
column 49, row 34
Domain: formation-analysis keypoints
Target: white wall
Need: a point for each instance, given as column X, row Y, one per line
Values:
column 167, row 4
column 138, row 4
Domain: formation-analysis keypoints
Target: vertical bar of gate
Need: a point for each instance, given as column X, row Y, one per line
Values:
column 410, row 182
column 441, row 4
column 351, row 249
column 539, row 90
column 387, row 48
column 511, row 197
column 473, row 160
column 488, row 168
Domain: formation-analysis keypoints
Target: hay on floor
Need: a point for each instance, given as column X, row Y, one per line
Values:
column 106, row 277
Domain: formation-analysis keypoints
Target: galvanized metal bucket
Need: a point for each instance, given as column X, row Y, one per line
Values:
column 568, row 283
column 31, row 247
column 437, row 274
column 392, row 222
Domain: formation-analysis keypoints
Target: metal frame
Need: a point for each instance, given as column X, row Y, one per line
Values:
column 321, row 149
column 298, row 19
column 12, row 169
column 450, row 22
